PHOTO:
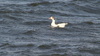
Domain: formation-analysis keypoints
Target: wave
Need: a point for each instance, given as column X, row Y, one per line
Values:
column 30, row 32
column 18, row 44
column 41, row 3
column 36, row 22
column 81, row 8
column 66, row 8
column 14, row 2
column 21, row 44
column 46, row 46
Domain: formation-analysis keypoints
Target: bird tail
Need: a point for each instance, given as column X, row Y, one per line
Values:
column 66, row 23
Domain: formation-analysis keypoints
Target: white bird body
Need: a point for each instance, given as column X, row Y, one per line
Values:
column 60, row 25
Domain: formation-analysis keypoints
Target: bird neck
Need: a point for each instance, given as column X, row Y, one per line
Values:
column 53, row 22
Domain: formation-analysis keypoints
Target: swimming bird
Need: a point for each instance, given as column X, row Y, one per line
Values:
column 60, row 25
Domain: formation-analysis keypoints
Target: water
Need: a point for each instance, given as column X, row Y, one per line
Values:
column 25, row 28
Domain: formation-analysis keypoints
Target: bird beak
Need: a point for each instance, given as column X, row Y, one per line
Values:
column 49, row 18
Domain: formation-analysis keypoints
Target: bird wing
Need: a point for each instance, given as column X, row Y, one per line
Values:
column 62, row 24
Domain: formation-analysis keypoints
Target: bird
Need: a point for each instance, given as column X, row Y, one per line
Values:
column 54, row 25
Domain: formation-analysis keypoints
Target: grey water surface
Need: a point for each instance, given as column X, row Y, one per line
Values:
column 25, row 28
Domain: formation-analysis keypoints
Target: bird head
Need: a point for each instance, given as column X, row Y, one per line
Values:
column 51, row 17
